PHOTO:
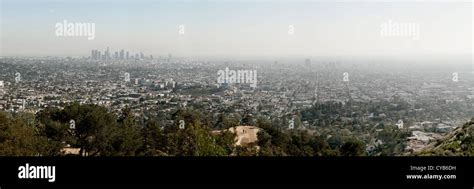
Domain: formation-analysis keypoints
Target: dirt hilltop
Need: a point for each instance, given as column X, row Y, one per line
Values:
column 245, row 134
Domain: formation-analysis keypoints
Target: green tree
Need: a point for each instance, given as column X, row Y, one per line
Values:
column 18, row 138
column 126, row 137
column 154, row 139
column 352, row 147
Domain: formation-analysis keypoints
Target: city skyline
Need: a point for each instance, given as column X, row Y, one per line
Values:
column 117, row 55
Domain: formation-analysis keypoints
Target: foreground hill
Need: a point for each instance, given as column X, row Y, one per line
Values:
column 460, row 142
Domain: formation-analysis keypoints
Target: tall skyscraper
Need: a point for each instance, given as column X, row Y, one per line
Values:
column 99, row 56
column 127, row 55
column 116, row 56
column 122, row 54
column 107, row 54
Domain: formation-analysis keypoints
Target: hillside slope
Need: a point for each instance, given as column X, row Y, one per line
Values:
column 460, row 142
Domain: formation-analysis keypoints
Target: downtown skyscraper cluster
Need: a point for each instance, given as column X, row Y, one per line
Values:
column 117, row 55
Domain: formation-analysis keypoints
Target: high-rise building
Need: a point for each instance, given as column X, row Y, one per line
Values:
column 107, row 54
column 142, row 56
column 126, row 55
column 116, row 55
column 122, row 54
column 99, row 56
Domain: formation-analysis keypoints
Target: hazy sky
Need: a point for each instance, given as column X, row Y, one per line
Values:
column 239, row 28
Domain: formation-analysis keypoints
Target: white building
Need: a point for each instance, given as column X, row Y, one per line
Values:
column 400, row 124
